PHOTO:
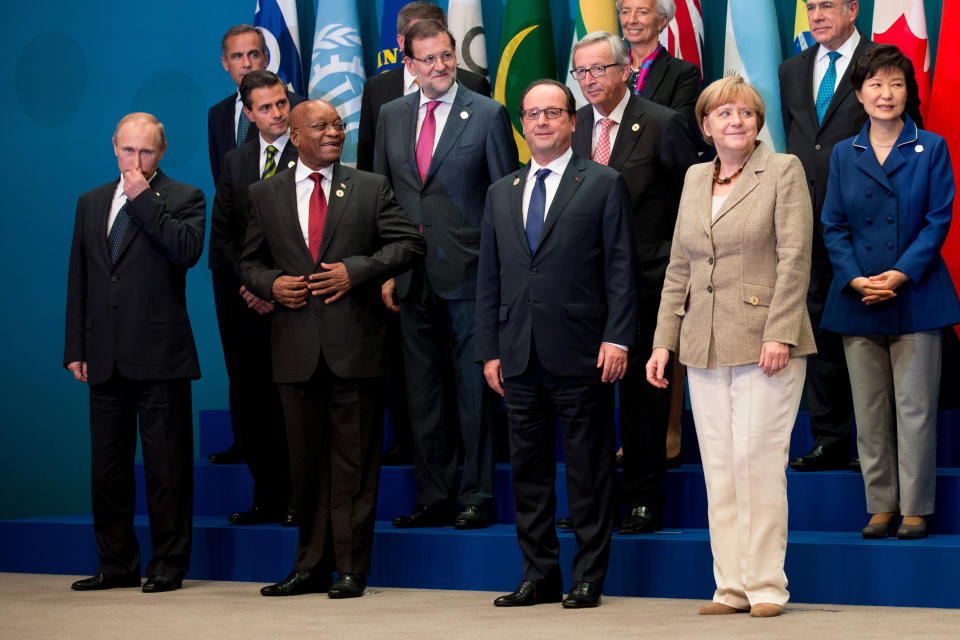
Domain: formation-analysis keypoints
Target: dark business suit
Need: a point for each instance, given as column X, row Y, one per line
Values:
column 437, row 299
column 652, row 151
column 255, row 411
column 222, row 131
column 544, row 315
column 384, row 87
column 128, row 321
column 828, row 386
column 329, row 358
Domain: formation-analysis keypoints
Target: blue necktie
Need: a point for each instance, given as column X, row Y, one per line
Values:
column 243, row 127
column 825, row 92
column 535, row 212
column 117, row 231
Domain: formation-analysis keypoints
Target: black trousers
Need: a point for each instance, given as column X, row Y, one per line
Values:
column 334, row 432
column 163, row 410
column 255, row 411
column 582, row 405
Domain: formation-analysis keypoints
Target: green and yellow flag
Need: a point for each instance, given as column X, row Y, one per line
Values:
column 526, row 54
column 592, row 15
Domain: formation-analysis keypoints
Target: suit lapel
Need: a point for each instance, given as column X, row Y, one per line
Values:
column 628, row 134
column 746, row 183
column 251, row 163
column 460, row 113
column 288, row 158
column 703, row 196
column 808, row 59
column 655, row 76
column 102, row 215
column 516, row 204
column 408, row 129
column 285, row 191
column 340, row 190
column 158, row 185
column 570, row 181
column 582, row 139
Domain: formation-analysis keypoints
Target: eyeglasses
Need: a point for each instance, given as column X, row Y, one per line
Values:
column 322, row 126
column 552, row 113
column 431, row 60
column 597, row 71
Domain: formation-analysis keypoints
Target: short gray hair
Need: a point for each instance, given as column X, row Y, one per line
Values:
column 668, row 8
column 619, row 49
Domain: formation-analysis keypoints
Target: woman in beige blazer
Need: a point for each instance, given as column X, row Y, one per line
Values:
column 733, row 310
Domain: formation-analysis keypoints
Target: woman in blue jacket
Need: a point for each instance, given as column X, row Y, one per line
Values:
column 887, row 211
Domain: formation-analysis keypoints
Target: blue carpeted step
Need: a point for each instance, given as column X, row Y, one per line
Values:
column 823, row 567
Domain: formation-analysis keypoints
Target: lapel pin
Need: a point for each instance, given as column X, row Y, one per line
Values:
column 343, row 186
column 291, row 164
column 516, row 181
column 918, row 148
column 464, row 115
column 339, row 193
column 158, row 193
column 635, row 127
column 576, row 179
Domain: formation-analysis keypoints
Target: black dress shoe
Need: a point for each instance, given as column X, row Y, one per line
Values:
column 821, row 458
column 531, row 592
column 426, row 515
column 642, row 519
column 256, row 515
column 565, row 523
column 290, row 517
column 159, row 584
column 100, row 582
column 228, row 456
column 583, row 595
column 472, row 517
column 348, row 585
column 298, row 583
column 396, row 455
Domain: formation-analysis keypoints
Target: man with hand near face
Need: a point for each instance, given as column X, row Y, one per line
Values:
column 242, row 317
column 556, row 313
column 129, row 338
column 445, row 146
column 321, row 240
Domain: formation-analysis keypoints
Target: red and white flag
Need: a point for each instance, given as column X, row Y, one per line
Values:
column 683, row 37
column 904, row 23
column 942, row 119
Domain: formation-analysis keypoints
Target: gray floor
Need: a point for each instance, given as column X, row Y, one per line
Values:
column 43, row 606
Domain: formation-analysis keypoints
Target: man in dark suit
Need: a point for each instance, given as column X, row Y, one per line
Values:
column 243, row 318
column 321, row 240
column 446, row 145
column 650, row 145
column 556, row 313
column 128, row 336
column 820, row 109
column 244, row 50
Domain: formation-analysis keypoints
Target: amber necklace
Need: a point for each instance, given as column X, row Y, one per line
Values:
column 728, row 179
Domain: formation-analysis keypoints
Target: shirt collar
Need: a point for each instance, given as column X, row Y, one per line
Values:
column 409, row 81
column 447, row 97
column 557, row 165
column 278, row 144
column 617, row 114
column 303, row 172
column 845, row 50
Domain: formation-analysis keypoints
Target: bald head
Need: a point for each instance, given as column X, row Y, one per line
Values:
column 317, row 132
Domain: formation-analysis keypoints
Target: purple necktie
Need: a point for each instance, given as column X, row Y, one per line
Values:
column 428, row 132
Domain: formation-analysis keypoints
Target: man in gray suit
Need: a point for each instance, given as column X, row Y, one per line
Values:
column 447, row 144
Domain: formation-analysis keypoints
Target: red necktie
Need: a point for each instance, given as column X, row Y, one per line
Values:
column 318, row 214
column 602, row 153
column 428, row 131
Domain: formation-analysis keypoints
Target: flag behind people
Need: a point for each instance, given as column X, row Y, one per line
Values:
column 389, row 56
column 336, row 67
column 802, row 38
column 683, row 37
column 526, row 54
column 277, row 21
column 904, row 24
column 592, row 15
column 753, row 51
column 465, row 21
column 942, row 119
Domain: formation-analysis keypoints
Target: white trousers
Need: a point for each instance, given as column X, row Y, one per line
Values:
column 744, row 420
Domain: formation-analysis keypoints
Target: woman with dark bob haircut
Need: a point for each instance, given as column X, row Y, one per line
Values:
column 886, row 215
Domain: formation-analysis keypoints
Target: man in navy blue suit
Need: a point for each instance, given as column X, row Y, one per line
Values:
column 556, row 313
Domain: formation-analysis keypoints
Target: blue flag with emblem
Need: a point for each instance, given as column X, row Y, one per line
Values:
column 277, row 21
column 336, row 68
column 389, row 55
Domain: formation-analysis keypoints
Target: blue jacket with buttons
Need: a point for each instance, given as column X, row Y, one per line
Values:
column 891, row 216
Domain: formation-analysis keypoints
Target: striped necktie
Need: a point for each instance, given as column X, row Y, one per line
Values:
column 270, row 166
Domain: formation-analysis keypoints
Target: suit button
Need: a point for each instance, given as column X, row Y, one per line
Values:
column 890, row 246
column 890, row 219
column 754, row 300
column 869, row 221
column 709, row 288
column 868, row 247
column 817, row 147
column 868, row 193
column 709, row 260
column 113, row 278
column 533, row 271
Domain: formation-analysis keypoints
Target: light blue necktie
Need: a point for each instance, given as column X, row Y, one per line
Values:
column 243, row 126
column 535, row 212
column 825, row 92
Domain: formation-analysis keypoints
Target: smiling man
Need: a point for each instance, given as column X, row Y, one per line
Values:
column 820, row 109
column 321, row 240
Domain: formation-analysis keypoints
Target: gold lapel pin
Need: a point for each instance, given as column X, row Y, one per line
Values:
column 158, row 193
column 516, row 181
column 291, row 164
column 343, row 186
column 339, row 193
column 464, row 115
column 918, row 148
column 635, row 127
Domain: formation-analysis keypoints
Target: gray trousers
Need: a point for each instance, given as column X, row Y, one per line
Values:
column 896, row 385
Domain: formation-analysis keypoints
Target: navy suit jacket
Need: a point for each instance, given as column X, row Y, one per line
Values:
column 221, row 130
column 890, row 216
column 575, row 292
column 132, row 315
column 476, row 148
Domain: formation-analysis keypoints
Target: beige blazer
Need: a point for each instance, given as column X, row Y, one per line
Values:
column 741, row 279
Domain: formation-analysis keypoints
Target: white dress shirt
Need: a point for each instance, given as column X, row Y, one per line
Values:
column 616, row 115
column 551, row 182
column 119, row 199
column 439, row 114
column 822, row 63
column 279, row 144
column 305, row 189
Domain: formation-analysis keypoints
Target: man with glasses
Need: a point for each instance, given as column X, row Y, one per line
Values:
column 321, row 239
column 556, row 313
column 441, row 148
column 651, row 146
